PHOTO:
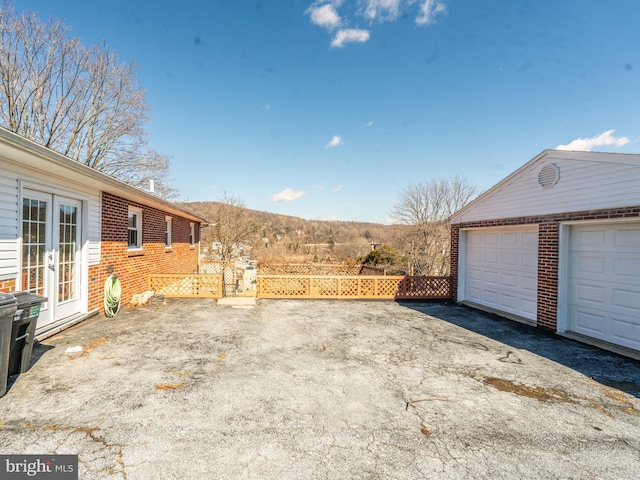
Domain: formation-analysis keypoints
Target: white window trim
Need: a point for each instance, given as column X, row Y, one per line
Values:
column 168, row 229
column 192, row 234
column 138, row 213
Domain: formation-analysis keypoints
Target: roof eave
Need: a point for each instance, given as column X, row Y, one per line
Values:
column 24, row 150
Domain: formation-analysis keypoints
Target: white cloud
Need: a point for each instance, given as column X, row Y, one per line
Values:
column 605, row 139
column 336, row 141
column 429, row 10
column 382, row 9
column 325, row 16
column 338, row 188
column 287, row 195
column 368, row 124
column 347, row 35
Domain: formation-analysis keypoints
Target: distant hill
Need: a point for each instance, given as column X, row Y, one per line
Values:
column 298, row 237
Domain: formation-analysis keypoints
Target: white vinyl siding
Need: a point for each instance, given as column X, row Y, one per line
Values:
column 10, row 180
column 587, row 181
column 8, row 225
column 500, row 269
column 604, row 282
column 93, row 221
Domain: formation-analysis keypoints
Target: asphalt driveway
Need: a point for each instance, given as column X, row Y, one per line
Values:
column 324, row 390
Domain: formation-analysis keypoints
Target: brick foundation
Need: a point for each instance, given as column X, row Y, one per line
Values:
column 8, row 286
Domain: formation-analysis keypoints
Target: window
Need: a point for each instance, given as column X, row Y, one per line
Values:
column 135, row 228
column 167, row 232
column 192, row 234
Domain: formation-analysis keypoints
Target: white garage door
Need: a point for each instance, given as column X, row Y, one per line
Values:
column 605, row 283
column 501, row 270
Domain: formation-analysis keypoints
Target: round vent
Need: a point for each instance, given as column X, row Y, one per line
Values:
column 549, row 175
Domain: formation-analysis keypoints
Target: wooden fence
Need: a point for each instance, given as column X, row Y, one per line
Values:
column 354, row 287
column 319, row 269
column 309, row 269
column 186, row 285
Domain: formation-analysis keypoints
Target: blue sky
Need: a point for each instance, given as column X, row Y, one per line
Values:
column 327, row 109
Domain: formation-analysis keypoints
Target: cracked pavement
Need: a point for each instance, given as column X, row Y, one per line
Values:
column 324, row 390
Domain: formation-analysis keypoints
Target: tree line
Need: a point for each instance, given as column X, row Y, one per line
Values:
column 418, row 244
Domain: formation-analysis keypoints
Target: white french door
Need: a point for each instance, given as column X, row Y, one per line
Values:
column 51, row 243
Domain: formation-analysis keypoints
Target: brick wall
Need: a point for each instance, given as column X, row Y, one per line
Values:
column 133, row 266
column 453, row 260
column 548, row 252
column 8, row 286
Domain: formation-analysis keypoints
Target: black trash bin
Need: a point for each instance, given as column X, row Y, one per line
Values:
column 8, row 307
column 23, row 330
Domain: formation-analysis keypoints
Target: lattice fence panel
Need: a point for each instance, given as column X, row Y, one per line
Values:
column 368, row 287
column 426, row 287
column 309, row 269
column 283, row 287
column 322, row 287
column 354, row 287
column 186, row 285
column 388, row 287
column 348, row 287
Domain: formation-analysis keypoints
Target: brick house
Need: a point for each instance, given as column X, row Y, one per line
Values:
column 556, row 244
column 65, row 226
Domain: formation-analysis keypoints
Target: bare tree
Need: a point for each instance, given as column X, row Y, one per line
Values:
column 426, row 207
column 80, row 101
column 231, row 228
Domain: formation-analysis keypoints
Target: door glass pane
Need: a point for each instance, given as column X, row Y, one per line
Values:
column 66, row 253
column 33, row 245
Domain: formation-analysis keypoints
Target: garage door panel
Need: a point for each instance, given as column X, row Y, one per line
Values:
column 508, row 303
column 528, row 307
column 627, row 268
column 474, row 255
column 589, row 323
column 491, row 257
column 627, row 237
column 529, row 283
column 590, row 293
column 605, row 283
column 529, row 260
column 509, row 280
column 589, row 264
column 509, row 239
column 490, row 239
column 530, row 239
column 626, row 299
column 626, row 331
column 502, row 269
column 591, row 237
column 490, row 277
column 474, row 274
column 509, row 258
column 489, row 297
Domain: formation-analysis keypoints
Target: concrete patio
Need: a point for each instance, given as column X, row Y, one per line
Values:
column 324, row 390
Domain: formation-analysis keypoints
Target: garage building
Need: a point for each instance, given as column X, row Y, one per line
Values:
column 556, row 244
